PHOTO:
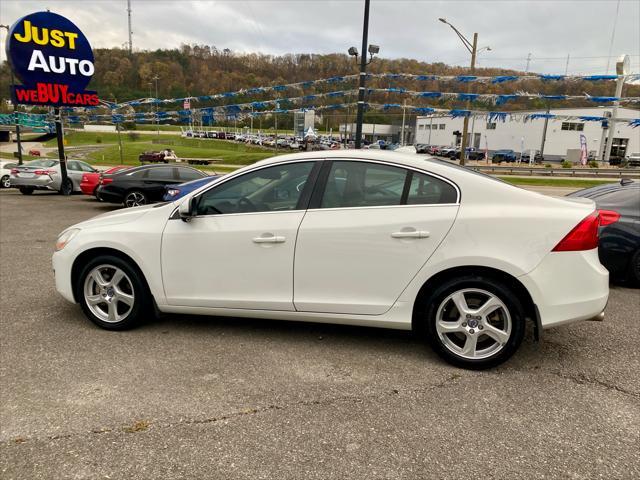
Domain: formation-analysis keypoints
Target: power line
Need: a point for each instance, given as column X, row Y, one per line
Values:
column 613, row 36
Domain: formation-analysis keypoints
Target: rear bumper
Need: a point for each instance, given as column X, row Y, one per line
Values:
column 568, row 287
column 35, row 182
column 106, row 196
column 88, row 188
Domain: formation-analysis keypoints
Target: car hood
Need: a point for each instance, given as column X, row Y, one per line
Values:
column 116, row 217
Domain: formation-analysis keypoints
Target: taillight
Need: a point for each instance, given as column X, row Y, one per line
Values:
column 45, row 172
column 105, row 181
column 584, row 236
column 15, row 171
column 607, row 217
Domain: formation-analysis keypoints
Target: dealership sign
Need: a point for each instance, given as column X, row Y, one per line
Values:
column 53, row 59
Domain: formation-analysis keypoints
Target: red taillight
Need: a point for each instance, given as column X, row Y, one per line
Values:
column 584, row 236
column 15, row 171
column 45, row 172
column 105, row 181
column 607, row 217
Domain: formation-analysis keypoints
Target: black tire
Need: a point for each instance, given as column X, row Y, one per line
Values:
column 142, row 303
column 134, row 198
column 5, row 182
column 66, row 188
column 26, row 190
column 428, row 308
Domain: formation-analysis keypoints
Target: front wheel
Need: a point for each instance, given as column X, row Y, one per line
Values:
column 112, row 293
column 474, row 322
column 135, row 198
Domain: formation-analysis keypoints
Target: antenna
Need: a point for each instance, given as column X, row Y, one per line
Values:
column 130, row 30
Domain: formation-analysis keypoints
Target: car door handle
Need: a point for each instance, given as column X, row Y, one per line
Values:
column 269, row 239
column 410, row 234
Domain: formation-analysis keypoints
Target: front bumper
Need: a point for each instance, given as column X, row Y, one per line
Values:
column 62, row 263
column 105, row 196
column 568, row 287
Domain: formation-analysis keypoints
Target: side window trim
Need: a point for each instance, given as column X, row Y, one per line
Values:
column 321, row 183
column 309, row 186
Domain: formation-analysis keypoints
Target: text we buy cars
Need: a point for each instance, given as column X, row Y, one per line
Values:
column 53, row 59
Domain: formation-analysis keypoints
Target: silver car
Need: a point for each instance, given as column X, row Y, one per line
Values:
column 44, row 174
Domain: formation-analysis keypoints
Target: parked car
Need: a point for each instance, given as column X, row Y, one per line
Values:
column 619, row 248
column 175, row 191
column 445, row 151
column 91, row 180
column 5, row 172
column 44, row 174
column 504, row 156
column 633, row 160
column 460, row 257
column 422, row 148
column 34, row 152
column 537, row 157
column 472, row 154
column 141, row 185
column 164, row 156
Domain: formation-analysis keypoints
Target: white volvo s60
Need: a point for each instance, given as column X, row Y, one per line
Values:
column 366, row 238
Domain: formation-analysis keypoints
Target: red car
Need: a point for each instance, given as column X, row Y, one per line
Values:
column 90, row 181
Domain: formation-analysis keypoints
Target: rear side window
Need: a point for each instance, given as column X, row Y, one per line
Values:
column 361, row 184
column 186, row 174
column 428, row 190
column 162, row 173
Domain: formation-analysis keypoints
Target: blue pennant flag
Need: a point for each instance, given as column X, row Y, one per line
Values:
column 429, row 94
column 426, row 78
column 592, row 119
column 459, row 113
column 595, row 78
column 504, row 78
column 388, row 106
column 535, row 116
column 423, row 110
column 472, row 97
column 335, row 79
column 502, row 116
column 279, row 88
column 466, row 78
column 604, row 99
column 554, row 97
column 335, row 94
column 502, row 99
column 635, row 122
column 551, row 77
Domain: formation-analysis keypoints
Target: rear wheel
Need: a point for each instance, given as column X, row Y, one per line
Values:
column 26, row 190
column 473, row 322
column 135, row 198
column 67, row 187
column 112, row 293
column 634, row 268
column 5, row 182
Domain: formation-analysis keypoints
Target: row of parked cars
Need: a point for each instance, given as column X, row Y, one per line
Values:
column 453, row 153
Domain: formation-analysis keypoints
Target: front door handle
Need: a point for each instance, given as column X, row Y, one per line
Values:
column 269, row 238
column 410, row 234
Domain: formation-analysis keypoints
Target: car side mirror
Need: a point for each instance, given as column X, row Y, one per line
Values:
column 186, row 209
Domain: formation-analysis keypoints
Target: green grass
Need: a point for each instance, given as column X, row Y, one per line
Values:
column 554, row 182
column 25, row 157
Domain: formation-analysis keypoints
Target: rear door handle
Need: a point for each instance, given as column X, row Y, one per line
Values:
column 269, row 238
column 410, row 234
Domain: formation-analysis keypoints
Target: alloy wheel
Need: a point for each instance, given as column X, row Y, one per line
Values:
column 108, row 292
column 135, row 199
column 5, row 182
column 473, row 323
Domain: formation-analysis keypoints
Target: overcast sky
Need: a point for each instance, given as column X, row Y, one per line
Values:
column 549, row 30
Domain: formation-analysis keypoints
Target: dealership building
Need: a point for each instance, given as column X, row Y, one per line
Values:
column 560, row 135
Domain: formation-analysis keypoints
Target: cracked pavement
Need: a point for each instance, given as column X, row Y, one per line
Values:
column 203, row 397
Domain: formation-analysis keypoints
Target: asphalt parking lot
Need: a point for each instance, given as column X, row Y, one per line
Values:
column 203, row 397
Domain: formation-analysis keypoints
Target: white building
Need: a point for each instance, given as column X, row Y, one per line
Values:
column 377, row 131
column 560, row 135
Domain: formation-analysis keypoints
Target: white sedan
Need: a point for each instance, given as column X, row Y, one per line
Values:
column 368, row 238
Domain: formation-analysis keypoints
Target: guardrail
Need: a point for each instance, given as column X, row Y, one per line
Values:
column 559, row 172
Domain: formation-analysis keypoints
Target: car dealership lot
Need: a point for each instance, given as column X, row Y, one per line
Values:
column 197, row 397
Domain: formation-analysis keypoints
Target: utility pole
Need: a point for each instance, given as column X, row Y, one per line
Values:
column 566, row 68
column 155, row 78
column 528, row 62
column 130, row 29
column 622, row 69
column 115, row 100
column 544, row 133
column 363, row 75
column 404, row 106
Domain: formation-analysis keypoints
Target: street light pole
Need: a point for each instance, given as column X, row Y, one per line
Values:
column 472, row 47
column 363, row 75
column 155, row 78
column 13, row 102
column 622, row 69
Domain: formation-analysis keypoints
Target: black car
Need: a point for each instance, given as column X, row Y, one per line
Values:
column 472, row 154
column 537, row 157
column 619, row 206
column 142, row 185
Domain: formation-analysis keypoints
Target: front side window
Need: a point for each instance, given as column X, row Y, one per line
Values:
column 361, row 184
column 270, row 189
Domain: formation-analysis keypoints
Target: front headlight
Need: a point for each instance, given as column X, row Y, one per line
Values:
column 65, row 237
